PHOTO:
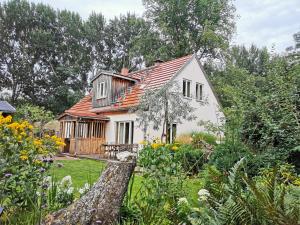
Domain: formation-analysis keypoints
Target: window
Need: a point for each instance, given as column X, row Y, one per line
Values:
column 124, row 132
column 101, row 90
column 199, row 92
column 186, row 88
column 172, row 133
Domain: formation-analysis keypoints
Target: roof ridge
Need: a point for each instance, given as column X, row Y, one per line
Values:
column 154, row 66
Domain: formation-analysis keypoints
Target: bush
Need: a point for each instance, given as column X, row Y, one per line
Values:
column 202, row 136
column 190, row 159
column 24, row 161
column 161, row 187
column 270, row 198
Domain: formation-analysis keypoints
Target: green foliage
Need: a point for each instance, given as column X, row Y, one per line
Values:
column 238, row 199
column 202, row 136
column 190, row 159
column 34, row 114
column 162, row 107
column 24, row 161
column 264, row 109
column 161, row 187
column 186, row 27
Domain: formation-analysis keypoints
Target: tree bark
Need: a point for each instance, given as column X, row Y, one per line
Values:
column 101, row 205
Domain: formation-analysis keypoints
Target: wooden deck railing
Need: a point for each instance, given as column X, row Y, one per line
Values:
column 111, row 150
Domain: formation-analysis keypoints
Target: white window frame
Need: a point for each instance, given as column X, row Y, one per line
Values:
column 199, row 91
column 101, row 90
column 185, row 89
column 130, row 135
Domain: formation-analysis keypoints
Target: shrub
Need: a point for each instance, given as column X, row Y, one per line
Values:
column 269, row 198
column 190, row 159
column 24, row 161
column 202, row 136
column 161, row 186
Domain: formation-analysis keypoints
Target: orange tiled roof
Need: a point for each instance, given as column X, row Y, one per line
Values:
column 151, row 77
column 82, row 109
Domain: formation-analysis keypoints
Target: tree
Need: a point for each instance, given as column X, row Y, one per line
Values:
column 253, row 59
column 203, row 26
column 44, row 57
column 162, row 107
column 34, row 114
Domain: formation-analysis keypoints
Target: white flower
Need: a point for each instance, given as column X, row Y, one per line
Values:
column 81, row 191
column 70, row 190
column 38, row 193
column 203, row 194
column 86, row 186
column 182, row 201
column 66, row 182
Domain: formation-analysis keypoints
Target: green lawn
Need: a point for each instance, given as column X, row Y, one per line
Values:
column 86, row 170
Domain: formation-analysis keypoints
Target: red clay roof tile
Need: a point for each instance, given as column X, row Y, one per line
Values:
column 151, row 77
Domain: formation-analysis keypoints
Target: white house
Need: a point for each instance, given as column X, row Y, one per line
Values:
column 104, row 115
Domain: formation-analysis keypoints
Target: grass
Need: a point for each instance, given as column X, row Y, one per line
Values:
column 82, row 170
column 85, row 170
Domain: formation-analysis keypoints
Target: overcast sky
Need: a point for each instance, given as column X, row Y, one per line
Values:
column 263, row 22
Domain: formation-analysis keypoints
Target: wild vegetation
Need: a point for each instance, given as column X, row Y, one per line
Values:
column 249, row 175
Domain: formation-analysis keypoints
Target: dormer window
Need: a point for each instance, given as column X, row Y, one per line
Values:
column 101, row 90
column 186, row 88
column 199, row 92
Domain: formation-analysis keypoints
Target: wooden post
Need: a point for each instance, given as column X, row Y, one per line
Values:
column 76, row 137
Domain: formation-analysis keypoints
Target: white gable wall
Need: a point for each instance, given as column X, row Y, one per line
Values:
column 208, row 112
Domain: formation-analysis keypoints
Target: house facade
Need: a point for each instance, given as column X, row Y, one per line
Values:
column 104, row 116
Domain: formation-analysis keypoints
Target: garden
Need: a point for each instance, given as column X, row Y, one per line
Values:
column 178, row 183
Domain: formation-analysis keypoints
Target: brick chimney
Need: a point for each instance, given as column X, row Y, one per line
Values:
column 124, row 71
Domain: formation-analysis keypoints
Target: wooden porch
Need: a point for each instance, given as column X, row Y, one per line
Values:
column 86, row 136
column 82, row 135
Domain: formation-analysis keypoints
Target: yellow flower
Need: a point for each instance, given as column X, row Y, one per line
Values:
column 37, row 162
column 24, row 152
column 24, row 157
column 37, row 142
column 155, row 145
column 174, row 148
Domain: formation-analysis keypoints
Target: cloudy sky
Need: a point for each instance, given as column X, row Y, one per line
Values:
column 263, row 22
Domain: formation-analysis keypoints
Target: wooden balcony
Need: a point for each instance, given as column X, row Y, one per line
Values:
column 110, row 151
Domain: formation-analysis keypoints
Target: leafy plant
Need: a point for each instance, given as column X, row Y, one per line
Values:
column 161, row 186
column 24, row 161
column 190, row 159
column 239, row 199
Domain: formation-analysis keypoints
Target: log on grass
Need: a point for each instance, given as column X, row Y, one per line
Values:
column 101, row 205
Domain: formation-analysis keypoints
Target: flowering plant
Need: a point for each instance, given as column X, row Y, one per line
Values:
column 24, row 160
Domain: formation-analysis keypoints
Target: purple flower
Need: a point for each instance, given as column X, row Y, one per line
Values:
column 42, row 170
column 7, row 175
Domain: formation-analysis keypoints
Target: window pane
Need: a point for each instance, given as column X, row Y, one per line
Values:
column 121, row 133
column 201, row 92
column 184, row 88
column 188, row 89
column 174, row 130
column 127, row 131
column 132, row 130
column 197, row 90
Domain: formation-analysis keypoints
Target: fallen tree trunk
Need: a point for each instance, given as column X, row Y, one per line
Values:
column 101, row 205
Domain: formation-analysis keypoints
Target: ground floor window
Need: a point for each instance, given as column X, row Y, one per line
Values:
column 124, row 132
column 172, row 133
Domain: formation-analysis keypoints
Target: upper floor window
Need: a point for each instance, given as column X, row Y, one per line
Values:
column 186, row 88
column 101, row 90
column 199, row 92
